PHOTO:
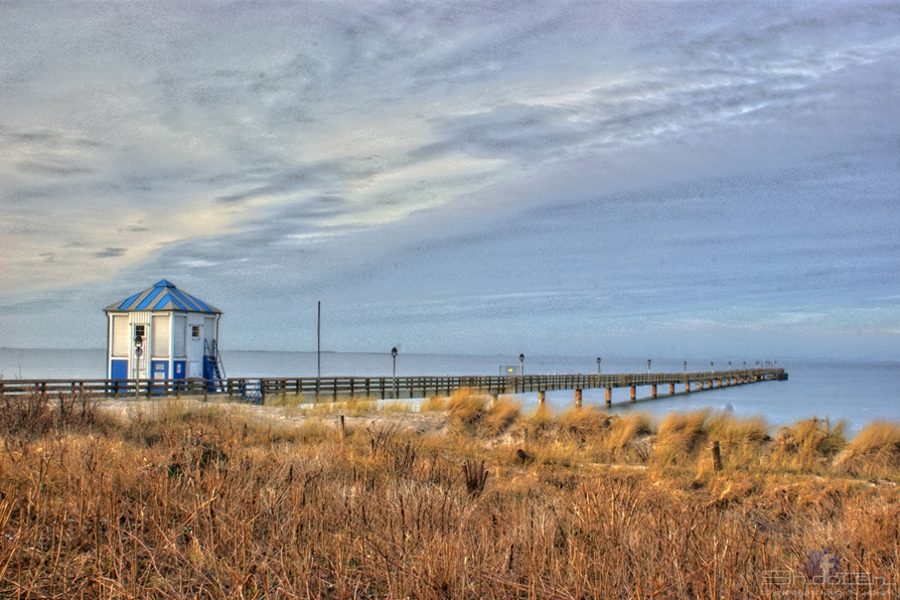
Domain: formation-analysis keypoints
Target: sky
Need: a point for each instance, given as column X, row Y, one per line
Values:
column 671, row 178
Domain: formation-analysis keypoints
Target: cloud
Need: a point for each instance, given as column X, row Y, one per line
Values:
column 110, row 253
column 666, row 150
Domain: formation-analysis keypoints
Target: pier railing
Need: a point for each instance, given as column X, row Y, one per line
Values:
column 385, row 388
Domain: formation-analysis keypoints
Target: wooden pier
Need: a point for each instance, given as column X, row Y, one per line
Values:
column 329, row 389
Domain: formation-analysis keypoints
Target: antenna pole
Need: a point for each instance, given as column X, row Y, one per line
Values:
column 319, row 341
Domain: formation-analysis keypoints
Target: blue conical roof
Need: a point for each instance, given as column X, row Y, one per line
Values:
column 163, row 296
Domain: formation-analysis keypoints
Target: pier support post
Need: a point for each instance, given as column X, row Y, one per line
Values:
column 577, row 398
column 633, row 393
column 687, row 387
column 608, row 396
column 671, row 389
column 492, row 400
column 653, row 391
column 542, row 399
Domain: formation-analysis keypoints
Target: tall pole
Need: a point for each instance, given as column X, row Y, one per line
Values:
column 394, row 356
column 319, row 342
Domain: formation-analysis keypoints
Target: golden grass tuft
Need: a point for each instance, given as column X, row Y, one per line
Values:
column 542, row 419
column 501, row 414
column 680, row 435
column 433, row 404
column 355, row 406
column 624, row 431
column 743, row 440
column 467, row 407
column 808, row 445
column 874, row 452
column 584, row 422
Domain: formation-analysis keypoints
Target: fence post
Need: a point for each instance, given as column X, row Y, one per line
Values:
column 716, row 456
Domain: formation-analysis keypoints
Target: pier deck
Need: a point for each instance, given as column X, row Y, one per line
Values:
column 327, row 389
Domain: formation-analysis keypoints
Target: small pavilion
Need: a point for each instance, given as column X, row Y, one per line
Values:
column 163, row 333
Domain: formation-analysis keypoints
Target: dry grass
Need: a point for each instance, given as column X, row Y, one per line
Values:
column 584, row 422
column 467, row 407
column 874, row 452
column 433, row 404
column 624, row 433
column 680, row 436
column 195, row 501
column 808, row 445
column 503, row 412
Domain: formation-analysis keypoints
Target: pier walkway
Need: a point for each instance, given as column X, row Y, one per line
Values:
column 327, row 389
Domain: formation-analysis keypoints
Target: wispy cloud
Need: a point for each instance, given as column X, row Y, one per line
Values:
column 322, row 144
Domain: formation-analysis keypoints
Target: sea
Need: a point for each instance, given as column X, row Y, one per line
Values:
column 857, row 392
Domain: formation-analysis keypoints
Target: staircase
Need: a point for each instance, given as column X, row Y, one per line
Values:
column 213, row 369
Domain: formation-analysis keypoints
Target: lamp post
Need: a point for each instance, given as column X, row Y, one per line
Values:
column 521, row 364
column 685, row 366
column 648, row 366
column 711, row 368
column 598, row 365
column 138, row 351
column 394, row 356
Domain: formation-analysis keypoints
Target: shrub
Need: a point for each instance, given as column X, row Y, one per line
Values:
column 35, row 414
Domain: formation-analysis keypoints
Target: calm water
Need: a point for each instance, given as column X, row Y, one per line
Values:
column 856, row 391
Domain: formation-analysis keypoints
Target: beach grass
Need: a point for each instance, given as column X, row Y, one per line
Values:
column 175, row 499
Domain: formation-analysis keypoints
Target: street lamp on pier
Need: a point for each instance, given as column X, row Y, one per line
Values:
column 394, row 356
